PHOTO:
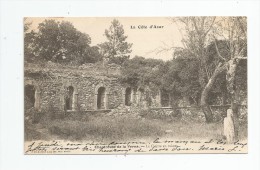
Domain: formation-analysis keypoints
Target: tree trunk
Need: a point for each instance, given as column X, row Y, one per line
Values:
column 174, row 105
column 234, row 107
column 204, row 96
column 230, row 77
column 204, row 103
column 224, row 97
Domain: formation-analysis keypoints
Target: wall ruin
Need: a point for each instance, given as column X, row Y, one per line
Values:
column 91, row 88
column 81, row 89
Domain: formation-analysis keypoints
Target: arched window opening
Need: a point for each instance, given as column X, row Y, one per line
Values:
column 101, row 102
column 69, row 98
column 149, row 98
column 140, row 96
column 165, row 98
column 128, row 93
column 29, row 96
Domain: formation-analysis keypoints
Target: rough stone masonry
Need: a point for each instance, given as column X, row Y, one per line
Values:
column 95, row 87
column 88, row 87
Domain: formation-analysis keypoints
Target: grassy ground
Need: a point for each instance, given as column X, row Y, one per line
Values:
column 105, row 128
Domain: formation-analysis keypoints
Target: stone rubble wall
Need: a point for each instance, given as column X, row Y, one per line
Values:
column 51, row 82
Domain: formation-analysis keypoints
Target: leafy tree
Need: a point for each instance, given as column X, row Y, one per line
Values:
column 61, row 42
column 116, row 49
column 139, row 71
column 92, row 55
column 29, row 37
column 197, row 33
column 180, row 76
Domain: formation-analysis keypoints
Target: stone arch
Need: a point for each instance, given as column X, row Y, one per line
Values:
column 70, row 97
column 148, row 96
column 164, row 98
column 101, row 97
column 32, row 94
column 128, row 96
column 140, row 95
column 144, row 98
column 29, row 96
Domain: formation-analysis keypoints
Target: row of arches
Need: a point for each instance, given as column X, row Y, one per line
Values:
column 138, row 96
column 70, row 100
column 133, row 95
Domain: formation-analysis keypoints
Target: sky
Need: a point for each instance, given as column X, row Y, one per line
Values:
column 147, row 41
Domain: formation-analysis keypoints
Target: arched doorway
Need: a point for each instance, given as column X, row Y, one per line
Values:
column 69, row 98
column 148, row 97
column 29, row 96
column 101, row 98
column 128, row 93
column 141, row 97
column 165, row 98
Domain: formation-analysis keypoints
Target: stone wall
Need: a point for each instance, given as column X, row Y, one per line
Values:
column 52, row 82
column 194, row 113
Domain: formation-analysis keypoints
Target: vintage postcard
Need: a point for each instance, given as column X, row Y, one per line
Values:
column 135, row 85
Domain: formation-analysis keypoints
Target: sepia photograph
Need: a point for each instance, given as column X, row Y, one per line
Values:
column 135, row 85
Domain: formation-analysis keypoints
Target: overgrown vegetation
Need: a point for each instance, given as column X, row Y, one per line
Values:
column 181, row 76
column 106, row 128
column 210, row 68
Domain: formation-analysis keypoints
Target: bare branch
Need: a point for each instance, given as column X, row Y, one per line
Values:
column 241, row 58
column 242, row 48
column 242, row 27
column 163, row 49
column 195, row 25
column 210, row 26
column 216, row 46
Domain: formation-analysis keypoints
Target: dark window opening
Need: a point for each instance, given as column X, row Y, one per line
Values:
column 165, row 99
column 148, row 98
column 29, row 96
column 128, row 96
column 101, row 98
column 69, row 98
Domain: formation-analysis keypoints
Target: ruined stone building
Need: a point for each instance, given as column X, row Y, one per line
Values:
column 54, row 88
column 86, row 88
